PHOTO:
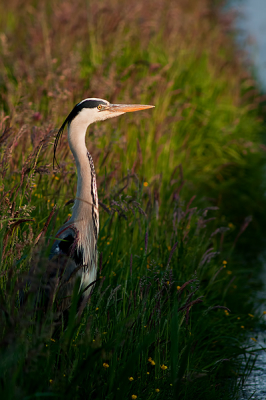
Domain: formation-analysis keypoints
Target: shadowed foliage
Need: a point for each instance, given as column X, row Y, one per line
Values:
column 181, row 192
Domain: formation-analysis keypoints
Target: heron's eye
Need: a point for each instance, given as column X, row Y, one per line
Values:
column 100, row 107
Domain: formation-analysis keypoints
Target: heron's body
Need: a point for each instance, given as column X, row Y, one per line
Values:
column 77, row 238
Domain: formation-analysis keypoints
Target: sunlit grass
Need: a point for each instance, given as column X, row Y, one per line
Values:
column 171, row 308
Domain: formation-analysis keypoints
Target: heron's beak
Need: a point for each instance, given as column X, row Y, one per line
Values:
column 123, row 108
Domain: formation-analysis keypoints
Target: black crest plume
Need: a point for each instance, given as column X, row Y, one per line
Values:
column 88, row 103
column 57, row 138
column 68, row 119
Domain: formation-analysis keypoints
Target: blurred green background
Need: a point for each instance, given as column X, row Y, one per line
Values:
column 201, row 147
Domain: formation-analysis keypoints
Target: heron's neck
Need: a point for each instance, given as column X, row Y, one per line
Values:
column 86, row 197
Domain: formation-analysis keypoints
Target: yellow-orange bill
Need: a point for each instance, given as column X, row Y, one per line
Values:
column 127, row 107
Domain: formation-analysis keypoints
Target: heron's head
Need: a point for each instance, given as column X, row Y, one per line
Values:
column 93, row 110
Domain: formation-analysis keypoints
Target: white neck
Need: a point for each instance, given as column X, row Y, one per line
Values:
column 85, row 169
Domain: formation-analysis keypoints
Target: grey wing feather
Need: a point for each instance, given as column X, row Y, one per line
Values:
column 67, row 266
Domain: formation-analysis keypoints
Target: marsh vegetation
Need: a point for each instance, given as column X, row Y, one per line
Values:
column 181, row 192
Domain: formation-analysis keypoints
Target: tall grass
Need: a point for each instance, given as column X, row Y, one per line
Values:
column 177, row 186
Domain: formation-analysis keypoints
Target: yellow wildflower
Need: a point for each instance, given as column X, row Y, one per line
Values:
column 229, row 272
column 131, row 379
column 51, row 381
column 224, row 262
column 151, row 361
column 242, row 326
column 145, row 184
column 178, row 287
column 97, row 308
column 157, row 390
column 148, row 373
column 52, row 340
column 254, row 340
column 163, row 367
column 105, row 365
column 134, row 397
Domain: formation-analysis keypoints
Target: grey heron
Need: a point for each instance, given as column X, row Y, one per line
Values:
column 76, row 240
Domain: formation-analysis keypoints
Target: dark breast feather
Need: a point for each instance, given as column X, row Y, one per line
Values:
column 65, row 265
column 67, row 246
column 94, row 196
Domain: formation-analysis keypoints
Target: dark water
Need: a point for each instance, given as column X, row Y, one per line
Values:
column 251, row 27
column 255, row 385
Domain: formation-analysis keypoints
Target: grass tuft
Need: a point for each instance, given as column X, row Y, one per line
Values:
column 181, row 192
